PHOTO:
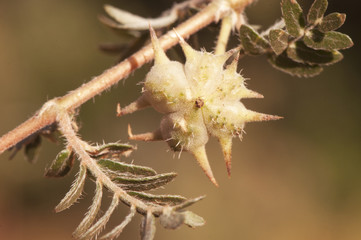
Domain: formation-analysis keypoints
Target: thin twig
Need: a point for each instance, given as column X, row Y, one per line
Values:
column 224, row 34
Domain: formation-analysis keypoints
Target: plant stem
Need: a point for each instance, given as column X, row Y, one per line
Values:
column 110, row 77
column 224, row 34
column 65, row 125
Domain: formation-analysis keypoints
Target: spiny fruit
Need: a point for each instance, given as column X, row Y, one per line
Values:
column 199, row 98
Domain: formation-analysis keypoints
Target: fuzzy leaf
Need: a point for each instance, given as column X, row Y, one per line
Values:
column 144, row 183
column 120, row 167
column 115, row 232
column 62, row 164
column 293, row 17
column 300, row 53
column 133, row 22
column 193, row 220
column 99, row 225
column 92, row 213
column 327, row 41
column 278, row 40
column 317, row 11
column 147, row 229
column 171, row 219
column 332, row 22
column 32, row 149
column 252, row 42
column 158, row 199
column 76, row 189
column 112, row 150
column 284, row 64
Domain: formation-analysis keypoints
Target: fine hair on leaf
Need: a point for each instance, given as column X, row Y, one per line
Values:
column 75, row 191
column 92, row 213
column 94, row 230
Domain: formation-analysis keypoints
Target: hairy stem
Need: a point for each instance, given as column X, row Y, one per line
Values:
column 224, row 34
column 79, row 146
column 77, row 97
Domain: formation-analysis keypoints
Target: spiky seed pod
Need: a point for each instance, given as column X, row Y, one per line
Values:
column 199, row 98
column 166, row 87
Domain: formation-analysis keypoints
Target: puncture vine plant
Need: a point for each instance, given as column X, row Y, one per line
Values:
column 200, row 98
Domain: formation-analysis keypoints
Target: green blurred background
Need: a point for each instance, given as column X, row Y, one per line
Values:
column 293, row 179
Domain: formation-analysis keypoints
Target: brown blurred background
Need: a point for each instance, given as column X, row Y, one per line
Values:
column 293, row 179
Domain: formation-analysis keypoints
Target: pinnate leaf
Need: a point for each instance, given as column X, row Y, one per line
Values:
column 327, row 41
column 251, row 41
column 293, row 17
column 278, row 40
column 300, row 53
column 127, row 182
column 332, row 22
column 317, row 10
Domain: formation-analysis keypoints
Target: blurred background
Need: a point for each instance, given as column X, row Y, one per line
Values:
column 294, row 179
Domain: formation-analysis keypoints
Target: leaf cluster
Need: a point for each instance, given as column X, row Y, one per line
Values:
column 134, row 180
column 303, row 45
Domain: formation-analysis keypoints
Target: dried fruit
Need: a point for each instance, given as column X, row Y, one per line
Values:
column 199, row 98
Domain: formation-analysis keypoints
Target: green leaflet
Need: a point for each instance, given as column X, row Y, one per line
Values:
column 293, row 17
column 115, row 232
column 111, row 150
column 97, row 227
column 327, row 41
column 188, row 203
column 300, row 53
column 284, row 64
column 92, row 213
column 61, row 165
column 332, row 22
column 74, row 193
column 278, row 40
column 120, row 168
column 144, row 183
column 193, row 220
column 317, row 11
column 158, row 199
column 251, row 41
